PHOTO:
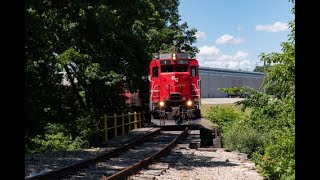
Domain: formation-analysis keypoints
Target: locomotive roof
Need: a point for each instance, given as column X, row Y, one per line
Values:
column 179, row 55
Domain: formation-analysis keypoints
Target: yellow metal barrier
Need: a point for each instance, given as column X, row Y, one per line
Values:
column 115, row 126
column 117, row 123
column 135, row 120
column 129, row 119
column 106, row 127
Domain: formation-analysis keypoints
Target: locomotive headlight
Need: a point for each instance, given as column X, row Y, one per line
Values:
column 189, row 103
column 161, row 103
column 174, row 56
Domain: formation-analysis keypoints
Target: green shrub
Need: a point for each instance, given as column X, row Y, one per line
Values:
column 50, row 142
column 278, row 161
column 89, row 128
column 243, row 137
column 55, row 128
column 223, row 116
column 55, row 139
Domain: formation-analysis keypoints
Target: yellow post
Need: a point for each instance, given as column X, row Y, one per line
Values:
column 105, row 128
column 115, row 125
column 135, row 120
column 122, row 124
column 129, row 119
column 139, row 119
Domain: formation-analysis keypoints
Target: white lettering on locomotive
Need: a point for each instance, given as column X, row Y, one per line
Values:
column 174, row 78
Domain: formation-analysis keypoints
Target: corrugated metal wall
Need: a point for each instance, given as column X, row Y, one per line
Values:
column 214, row 78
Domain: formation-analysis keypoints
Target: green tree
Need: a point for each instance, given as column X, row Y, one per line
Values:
column 171, row 36
column 261, row 69
column 103, row 47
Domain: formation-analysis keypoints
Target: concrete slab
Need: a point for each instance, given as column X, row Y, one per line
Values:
column 220, row 100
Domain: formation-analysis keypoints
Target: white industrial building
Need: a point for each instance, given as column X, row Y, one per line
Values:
column 214, row 78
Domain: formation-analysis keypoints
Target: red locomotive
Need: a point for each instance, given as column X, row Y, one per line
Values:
column 174, row 88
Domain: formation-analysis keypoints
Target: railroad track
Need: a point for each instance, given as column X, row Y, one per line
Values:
column 122, row 161
column 155, row 170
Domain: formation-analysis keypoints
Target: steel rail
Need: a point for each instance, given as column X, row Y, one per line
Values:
column 144, row 163
column 62, row 172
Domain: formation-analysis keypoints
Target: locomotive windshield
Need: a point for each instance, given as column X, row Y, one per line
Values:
column 181, row 68
column 171, row 68
column 193, row 71
column 167, row 68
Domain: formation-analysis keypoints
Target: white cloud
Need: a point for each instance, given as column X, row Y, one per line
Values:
column 276, row 27
column 200, row 35
column 226, row 38
column 209, row 51
column 211, row 56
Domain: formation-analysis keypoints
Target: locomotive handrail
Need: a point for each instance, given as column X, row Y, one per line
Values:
column 154, row 89
column 137, row 122
column 196, row 89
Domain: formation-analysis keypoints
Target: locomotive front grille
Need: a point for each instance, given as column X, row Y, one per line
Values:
column 175, row 103
column 175, row 97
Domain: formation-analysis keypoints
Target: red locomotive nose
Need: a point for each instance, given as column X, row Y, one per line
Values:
column 174, row 79
column 164, row 79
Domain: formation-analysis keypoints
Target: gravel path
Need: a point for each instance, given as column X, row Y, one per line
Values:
column 42, row 162
column 204, row 165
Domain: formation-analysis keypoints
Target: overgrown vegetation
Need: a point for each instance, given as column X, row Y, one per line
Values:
column 55, row 139
column 268, row 134
column 223, row 116
column 102, row 48
column 236, row 132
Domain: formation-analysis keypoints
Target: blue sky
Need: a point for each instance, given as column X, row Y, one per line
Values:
column 233, row 33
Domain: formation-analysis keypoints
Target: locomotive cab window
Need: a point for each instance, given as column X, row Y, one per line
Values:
column 193, row 71
column 181, row 68
column 155, row 71
column 167, row 68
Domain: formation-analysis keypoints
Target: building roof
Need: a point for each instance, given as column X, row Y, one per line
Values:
column 229, row 72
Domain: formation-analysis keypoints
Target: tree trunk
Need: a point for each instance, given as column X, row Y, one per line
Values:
column 74, row 88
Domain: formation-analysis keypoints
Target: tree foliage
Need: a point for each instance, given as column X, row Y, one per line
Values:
column 102, row 48
column 261, row 69
column 56, row 138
